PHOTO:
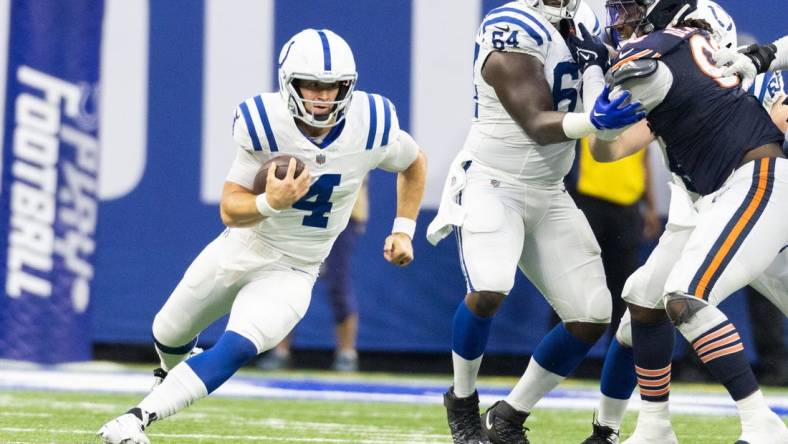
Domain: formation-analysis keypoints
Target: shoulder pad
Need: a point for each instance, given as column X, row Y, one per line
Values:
column 632, row 70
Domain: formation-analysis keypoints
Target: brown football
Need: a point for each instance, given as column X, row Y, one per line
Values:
column 282, row 162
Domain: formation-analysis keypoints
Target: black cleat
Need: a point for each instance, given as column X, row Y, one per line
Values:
column 602, row 435
column 158, row 377
column 463, row 415
column 504, row 425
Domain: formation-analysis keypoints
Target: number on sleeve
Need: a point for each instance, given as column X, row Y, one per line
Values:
column 559, row 92
column 317, row 201
column 499, row 43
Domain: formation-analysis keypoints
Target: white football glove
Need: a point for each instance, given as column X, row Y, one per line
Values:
column 732, row 62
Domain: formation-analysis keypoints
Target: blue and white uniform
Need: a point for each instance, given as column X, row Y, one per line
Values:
column 505, row 193
column 770, row 88
column 266, row 272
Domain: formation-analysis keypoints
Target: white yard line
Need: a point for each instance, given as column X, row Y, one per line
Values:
column 49, row 379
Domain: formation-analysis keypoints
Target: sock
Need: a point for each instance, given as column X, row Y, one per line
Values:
column 532, row 386
column 617, row 384
column 465, row 373
column 554, row 358
column 169, row 357
column 752, row 405
column 218, row 363
column 180, row 389
column 653, row 350
column 722, row 352
column 469, row 339
column 651, row 411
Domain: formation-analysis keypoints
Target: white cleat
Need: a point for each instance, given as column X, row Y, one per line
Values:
column 125, row 429
column 764, row 429
column 652, row 431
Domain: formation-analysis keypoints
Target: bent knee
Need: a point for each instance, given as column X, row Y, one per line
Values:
column 484, row 303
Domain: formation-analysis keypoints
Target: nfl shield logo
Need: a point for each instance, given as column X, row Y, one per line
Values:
column 321, row 159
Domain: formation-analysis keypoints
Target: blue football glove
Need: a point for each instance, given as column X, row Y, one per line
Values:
column 588, row 51
column 607, row 114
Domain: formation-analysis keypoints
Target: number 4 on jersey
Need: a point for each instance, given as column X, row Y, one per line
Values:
column 318, row 201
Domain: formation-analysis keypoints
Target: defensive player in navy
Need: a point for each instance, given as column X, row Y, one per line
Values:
column 727, row 151
column 505, row 199
column 261, row 269
column 618, row 379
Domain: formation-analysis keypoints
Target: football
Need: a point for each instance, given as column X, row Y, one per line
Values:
column 282, row 162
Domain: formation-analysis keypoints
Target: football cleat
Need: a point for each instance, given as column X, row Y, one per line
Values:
column 602, row 435
column 128, row 428
column 345, row 363
column 504, row 425
column 463, row 415
column 763, row 429
column 158, row 377
column 159, row 373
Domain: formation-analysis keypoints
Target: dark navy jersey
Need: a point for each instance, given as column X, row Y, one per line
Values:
column 707, row 121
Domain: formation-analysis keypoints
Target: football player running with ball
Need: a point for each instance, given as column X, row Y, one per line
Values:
column 725, row 229
column 262, row 268
column 504, row 196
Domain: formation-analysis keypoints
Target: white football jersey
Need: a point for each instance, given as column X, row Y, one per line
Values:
column 770, row 87
column 367, row 138
column 495, row 139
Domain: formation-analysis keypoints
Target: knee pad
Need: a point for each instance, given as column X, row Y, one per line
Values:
column 681, row 307
column 624, row 332
column 167, row 334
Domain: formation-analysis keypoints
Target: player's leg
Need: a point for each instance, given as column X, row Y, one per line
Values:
column 197, row 301
column 739, row 235
column 562, row 259
column 336, row 273
column 265, row 311
column 489, row 245
column 644, row 289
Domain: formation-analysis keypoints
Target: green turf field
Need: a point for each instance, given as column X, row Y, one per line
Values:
column 45, row 417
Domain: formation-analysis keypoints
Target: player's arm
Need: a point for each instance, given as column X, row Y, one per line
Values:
column 629, row 142
column 240, row 207
column 520, row 85
column 409, row 161
column 648, row 81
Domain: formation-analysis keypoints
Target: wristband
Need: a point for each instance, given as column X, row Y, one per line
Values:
column 577, row 125
column 263, row 207
column 405, row 226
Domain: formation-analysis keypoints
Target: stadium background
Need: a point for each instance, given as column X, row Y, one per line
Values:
column 171, row 73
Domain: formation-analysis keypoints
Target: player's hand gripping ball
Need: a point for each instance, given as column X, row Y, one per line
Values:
column 282, row 162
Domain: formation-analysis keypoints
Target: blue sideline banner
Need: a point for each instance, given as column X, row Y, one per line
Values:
column 48, row 199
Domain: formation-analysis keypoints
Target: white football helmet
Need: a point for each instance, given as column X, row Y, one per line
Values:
column 319, row 55
column 564, row 9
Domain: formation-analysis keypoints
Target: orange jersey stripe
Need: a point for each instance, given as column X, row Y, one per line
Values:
column 635, row 56
column 723, row 352
column 719, row 343
column 737, row 229
column 652, row 373
column 712, row 335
